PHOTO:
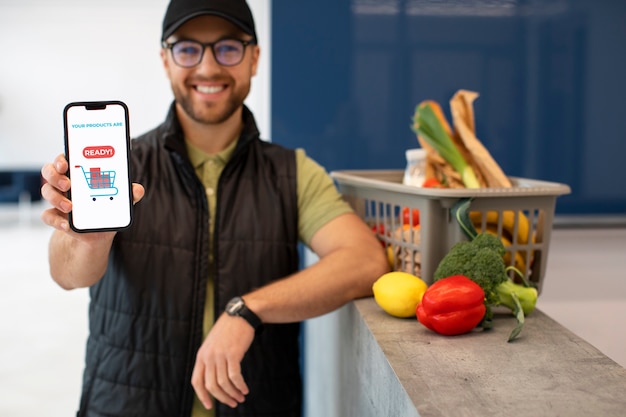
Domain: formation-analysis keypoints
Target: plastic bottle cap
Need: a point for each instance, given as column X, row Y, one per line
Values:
column 417, row 153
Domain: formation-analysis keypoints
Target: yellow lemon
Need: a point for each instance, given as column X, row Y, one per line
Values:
column 391, row 257
column 399, row 293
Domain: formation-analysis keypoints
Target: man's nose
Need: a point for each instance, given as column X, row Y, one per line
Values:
column 208, row 61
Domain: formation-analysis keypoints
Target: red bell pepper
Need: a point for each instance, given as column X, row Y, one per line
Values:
column 452, row 305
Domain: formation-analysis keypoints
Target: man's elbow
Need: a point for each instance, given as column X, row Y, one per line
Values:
column 62, row 281
column 70, row 282
column 374, row 264
column 380, row 263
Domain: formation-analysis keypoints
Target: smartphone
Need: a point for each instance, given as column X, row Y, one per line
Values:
column 97, row 148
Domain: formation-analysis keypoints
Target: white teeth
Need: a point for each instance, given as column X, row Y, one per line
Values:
column 205, row 89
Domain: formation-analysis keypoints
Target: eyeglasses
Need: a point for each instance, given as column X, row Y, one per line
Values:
column 227, row 52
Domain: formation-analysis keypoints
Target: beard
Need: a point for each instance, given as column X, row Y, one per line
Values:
column 211, row 113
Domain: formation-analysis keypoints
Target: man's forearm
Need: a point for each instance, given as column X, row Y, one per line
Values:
column 319, row 289
column 75, row 263
column 351, row 260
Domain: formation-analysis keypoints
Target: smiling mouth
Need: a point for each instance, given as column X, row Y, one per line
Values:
column 209, row 89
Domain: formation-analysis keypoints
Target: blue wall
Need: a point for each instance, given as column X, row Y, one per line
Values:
column 347, row 75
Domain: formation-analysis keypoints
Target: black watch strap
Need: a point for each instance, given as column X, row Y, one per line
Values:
column 237, row 307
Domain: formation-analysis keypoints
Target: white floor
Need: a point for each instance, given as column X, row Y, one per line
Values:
column 43, row 328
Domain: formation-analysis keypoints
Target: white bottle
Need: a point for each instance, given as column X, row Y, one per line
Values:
column 414, row 174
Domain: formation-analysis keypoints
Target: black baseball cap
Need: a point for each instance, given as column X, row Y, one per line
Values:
column 180, row 11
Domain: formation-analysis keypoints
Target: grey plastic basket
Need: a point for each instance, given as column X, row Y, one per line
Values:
column 521, row 215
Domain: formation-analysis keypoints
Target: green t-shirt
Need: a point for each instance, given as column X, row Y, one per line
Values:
column 318, row 203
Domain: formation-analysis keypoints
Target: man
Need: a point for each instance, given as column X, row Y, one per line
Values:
column 202, row 294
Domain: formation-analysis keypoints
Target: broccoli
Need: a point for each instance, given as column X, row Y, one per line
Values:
column 480, row 259
column 481, row 264
column 486, row 240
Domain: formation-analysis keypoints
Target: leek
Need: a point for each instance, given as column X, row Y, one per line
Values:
column 428, row 126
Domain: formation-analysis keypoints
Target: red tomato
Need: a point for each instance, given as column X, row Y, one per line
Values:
column 406, row 218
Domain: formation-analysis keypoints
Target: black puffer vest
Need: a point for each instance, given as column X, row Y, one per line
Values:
column 146, row 312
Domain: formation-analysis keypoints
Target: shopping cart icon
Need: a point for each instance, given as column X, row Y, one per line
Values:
column 102, row 181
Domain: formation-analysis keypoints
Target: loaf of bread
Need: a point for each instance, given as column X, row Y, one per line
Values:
column 487, row 170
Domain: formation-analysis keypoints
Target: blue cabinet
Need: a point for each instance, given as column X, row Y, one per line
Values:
column 347, row 75
column 17, row 184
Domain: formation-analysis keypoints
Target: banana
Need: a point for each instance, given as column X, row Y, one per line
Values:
column 508, row 224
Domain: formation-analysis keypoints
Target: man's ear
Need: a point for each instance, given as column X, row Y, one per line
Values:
column 165, row 61
column 256, row 52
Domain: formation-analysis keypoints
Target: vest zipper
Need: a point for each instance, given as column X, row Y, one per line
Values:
column 201, row 274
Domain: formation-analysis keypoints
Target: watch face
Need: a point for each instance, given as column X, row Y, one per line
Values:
column 234, row 306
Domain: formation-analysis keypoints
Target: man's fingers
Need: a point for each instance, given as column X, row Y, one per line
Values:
column 138, row 192
column 220, row 359
column 224, row 390
column 51, row 217
column 60, row 163
column 234, row 374
column 197, row 381
column 55, row 178
column 55, row 198
column 56, row 173
column 56, row 184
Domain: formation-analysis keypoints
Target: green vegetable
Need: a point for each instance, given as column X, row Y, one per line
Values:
column 480, row 259
column 429, row 127
column 527, row 296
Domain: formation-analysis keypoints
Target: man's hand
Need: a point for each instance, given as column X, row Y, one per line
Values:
column 217, row 371
column 77, row 260
column 54, row 190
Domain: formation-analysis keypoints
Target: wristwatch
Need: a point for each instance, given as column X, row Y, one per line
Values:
column 237, row 307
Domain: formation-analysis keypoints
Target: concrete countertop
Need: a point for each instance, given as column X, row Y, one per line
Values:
column 546, row 371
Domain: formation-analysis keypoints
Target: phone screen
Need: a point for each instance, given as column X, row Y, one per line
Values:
column 97, row 144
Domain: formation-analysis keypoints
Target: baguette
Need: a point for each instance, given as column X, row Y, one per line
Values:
column 488, row 172
column 486, row 168
column 436, row 166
